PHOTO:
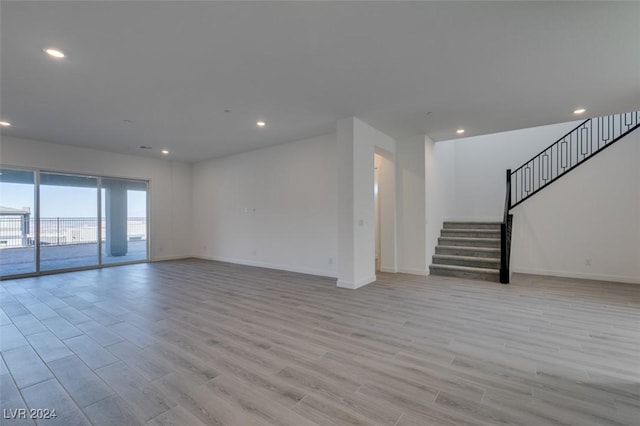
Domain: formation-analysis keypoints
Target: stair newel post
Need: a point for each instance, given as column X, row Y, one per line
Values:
column 504, row 243
column 508, row 191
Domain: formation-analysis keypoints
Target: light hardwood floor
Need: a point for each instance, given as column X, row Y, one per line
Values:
column 196, row 342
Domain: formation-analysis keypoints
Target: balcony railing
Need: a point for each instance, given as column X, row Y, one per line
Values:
column 19, row 232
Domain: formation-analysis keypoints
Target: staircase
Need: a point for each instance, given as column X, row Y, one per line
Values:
column 468, row 250
column 482, row 250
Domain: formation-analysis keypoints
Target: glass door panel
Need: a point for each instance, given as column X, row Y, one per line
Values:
column 68, row 221
column 124, row 225
column 17, row 222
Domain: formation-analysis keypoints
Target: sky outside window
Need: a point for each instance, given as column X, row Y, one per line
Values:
column 61, row 201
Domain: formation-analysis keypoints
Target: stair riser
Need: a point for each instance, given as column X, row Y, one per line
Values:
column 471, row 225
column 469, row 243
column 469, row 250
column 454, row 251
column 485, row 276
column 480, row 263
column 470, row 234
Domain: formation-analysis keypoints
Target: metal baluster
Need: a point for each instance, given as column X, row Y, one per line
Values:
column 531, row 176
column 516, row 187
column 538, row 174
column 611, row 127
column 570, row 151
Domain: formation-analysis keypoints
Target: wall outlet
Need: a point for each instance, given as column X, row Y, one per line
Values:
column 161, row 249
column 331, row 261
column 254, row 252
column 587, row 262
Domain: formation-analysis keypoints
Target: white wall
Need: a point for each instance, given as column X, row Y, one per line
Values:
column 274, row 207
column 169, row 184
column 440, row 190
column 592, row 213
column 292, row 193
column 356, row 144
column 411, row 187
column 481, row 163
column 426, row 197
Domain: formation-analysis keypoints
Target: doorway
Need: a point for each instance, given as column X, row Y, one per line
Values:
column 384, row 193
column 376, row 207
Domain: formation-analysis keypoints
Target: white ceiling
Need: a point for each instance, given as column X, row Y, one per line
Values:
column 172, row 68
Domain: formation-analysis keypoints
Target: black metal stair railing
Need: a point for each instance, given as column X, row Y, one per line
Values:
column 589, row 138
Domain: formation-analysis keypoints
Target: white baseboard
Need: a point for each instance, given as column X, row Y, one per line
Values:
column 280, row 267
column 578, row 275
column 389, row 269
column 354, row 285
column 412, row 271
column 165, row 258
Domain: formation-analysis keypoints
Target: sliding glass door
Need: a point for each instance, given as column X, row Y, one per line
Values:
column 62, row 221
column 17, row 222
column 68, row 221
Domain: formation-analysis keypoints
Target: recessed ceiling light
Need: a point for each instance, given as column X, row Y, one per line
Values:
column 460, row 131
column 55, row 53
column 165, row 151
column 5, row 124
column 579, row 111
column 261, row 124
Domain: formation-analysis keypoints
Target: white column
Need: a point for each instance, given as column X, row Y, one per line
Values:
column 411, row 194
column 346, row 272
column 116, row 218
column 356, row 215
